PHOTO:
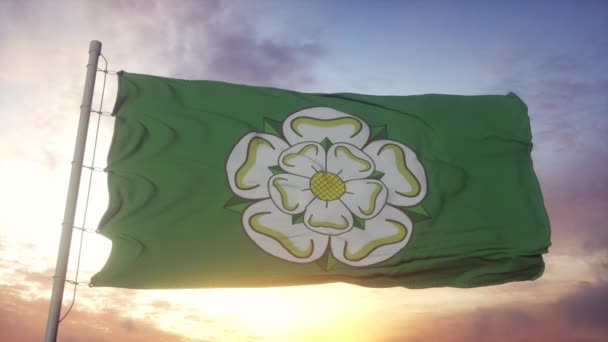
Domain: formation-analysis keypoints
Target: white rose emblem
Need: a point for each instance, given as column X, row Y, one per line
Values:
column 323, row 188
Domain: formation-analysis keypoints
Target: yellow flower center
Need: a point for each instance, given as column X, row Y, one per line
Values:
column 327, row 186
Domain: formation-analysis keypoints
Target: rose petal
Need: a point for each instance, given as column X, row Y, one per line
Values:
column 349, row 162
column 318, row 123
column 330, row 217
column 383, row 237
column 248, row 163
column 364, row 197
column 304, row 159
column 404, row 175
column 290, row 193
column 274, row 232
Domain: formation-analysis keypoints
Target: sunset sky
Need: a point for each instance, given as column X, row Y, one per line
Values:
column 553, row 54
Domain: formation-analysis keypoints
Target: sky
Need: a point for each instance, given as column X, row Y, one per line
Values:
column 553, row 54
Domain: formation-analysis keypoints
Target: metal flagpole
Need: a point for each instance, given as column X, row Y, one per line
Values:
column 70, row 205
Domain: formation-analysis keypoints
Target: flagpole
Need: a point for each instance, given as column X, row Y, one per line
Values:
column 70, row 206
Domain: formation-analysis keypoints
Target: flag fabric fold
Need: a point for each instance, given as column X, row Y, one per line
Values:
column 214, row 184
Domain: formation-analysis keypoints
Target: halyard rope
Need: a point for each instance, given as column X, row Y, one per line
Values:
column 92, row 169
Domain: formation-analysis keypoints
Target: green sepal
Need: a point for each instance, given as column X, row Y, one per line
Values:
column 358, row 222
column 297, row 218
column 417, row 213
column 237, row 204
column 376, row 175
column 273, row 127
column 379, row 133
column 276, row 169
column 327, row 261
column 326, row 143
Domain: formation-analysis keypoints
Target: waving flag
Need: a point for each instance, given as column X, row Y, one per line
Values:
column 221, row 185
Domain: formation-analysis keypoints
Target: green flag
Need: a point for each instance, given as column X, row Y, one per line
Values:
column 221, row 185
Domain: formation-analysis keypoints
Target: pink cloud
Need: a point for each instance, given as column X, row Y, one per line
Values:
column 578, row 316
column 22, row 320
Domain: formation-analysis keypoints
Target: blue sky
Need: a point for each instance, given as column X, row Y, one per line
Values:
column 553, row 54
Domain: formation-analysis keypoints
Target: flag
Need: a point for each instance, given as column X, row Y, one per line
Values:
column 214, row 184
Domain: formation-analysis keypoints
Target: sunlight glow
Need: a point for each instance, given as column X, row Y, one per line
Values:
column 328, row 312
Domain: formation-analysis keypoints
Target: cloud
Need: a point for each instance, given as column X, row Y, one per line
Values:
column 489, row 322
column 575, row 190
column 201, row 40
column 241, row 58
column 578, row 316
column 587, row 308
column 22, row 320
column 561, row 63
column 43, row 279
column 214, row 41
